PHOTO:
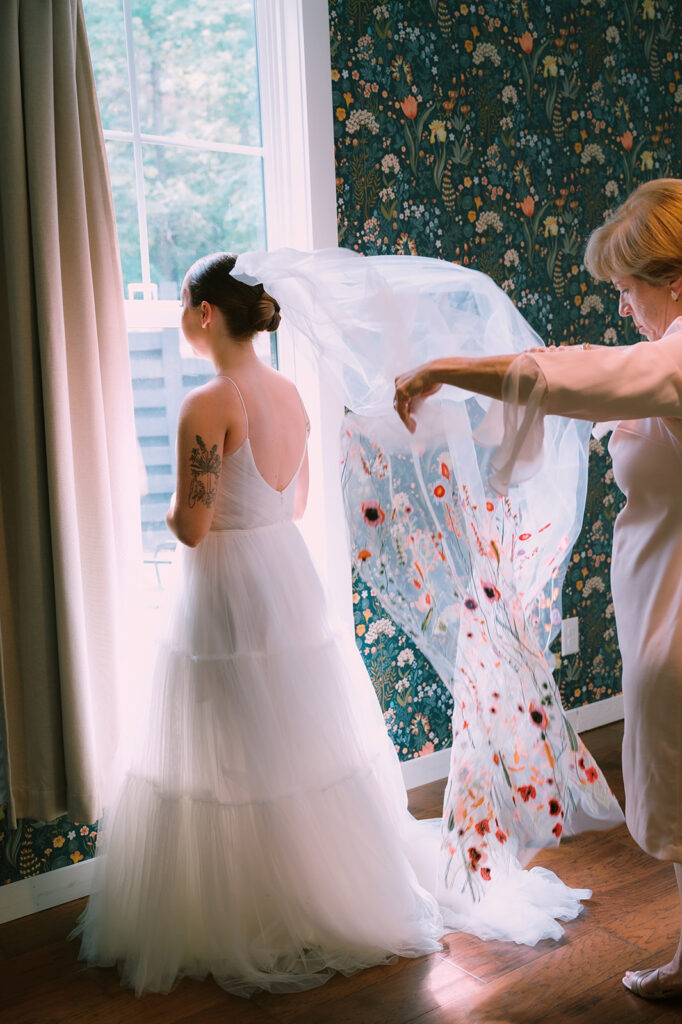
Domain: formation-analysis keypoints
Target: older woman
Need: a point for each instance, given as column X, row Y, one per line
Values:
column 640, row 250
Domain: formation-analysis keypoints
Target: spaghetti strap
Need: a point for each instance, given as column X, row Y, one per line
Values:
column 246, row 415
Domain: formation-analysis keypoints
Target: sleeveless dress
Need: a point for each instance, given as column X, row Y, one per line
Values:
column 261, row 832
column 255, row 834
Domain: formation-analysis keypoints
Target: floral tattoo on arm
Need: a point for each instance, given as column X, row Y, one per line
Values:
column 205, row 468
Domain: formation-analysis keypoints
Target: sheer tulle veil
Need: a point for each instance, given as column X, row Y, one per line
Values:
column 476, row 515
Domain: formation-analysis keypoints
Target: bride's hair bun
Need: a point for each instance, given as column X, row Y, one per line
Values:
column 247, row 308
column 265, row 314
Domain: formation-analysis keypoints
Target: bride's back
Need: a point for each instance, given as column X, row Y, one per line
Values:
column 266, row 409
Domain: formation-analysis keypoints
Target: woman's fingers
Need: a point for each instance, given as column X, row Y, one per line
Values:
column 403, row 402
column 410, row 390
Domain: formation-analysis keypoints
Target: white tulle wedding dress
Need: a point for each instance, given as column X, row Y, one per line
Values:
column 261, row 832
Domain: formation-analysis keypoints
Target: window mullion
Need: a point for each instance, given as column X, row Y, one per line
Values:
column 137, row 154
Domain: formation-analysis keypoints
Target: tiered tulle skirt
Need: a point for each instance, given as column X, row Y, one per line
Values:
column 260, row 832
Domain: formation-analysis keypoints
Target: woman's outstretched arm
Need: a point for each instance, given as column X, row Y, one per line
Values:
column 483, row 376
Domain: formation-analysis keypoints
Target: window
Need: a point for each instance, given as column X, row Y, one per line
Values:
column 178, row 90
column 217, row 116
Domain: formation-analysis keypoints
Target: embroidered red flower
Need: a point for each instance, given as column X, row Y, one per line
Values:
column 501, row 836
column 591, row 774
column 439, row 491
column 489, row 505
column 445, row 470
column 474, row 856
column 524, row 536
column 527, row 793
column 373, row 513
column 491, row 591
column 485, row 874
column 554, row 807
column 482, row 827
column 538, row 716
column 558, row 829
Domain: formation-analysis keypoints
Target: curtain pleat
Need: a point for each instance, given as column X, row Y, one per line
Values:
column 69, row 526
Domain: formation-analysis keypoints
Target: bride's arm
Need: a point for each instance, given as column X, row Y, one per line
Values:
column 201, row 436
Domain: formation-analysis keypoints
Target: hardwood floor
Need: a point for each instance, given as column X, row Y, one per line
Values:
column 632, row 920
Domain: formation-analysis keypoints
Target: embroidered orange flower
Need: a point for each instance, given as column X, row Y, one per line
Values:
column 364, row 555
column 439, row 491
column 528, row 206
column 526, row 42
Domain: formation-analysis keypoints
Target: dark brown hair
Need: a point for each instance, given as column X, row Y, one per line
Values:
column 247, row 308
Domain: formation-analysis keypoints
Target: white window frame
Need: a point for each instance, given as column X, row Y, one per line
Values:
column 297, row 148
column 294, row 63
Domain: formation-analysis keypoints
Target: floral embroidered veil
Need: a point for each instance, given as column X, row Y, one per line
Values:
column 464, row 530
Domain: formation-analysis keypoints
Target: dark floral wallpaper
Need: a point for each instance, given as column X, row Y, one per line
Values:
column 495, row 135
column 498, row 135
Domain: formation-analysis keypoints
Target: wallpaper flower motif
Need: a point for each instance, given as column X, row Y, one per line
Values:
column 498, row 135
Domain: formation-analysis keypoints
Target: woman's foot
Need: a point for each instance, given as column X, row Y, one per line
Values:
column 658, row 983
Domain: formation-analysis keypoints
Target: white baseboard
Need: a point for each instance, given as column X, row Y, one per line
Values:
column 19, row 899
column 431, row 767
column 55, row 887
column 592, row 716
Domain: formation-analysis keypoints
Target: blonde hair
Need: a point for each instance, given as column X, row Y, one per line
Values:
column 643, row 238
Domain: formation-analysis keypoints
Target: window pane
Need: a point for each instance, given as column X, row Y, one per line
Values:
column 199, row 202
column 161, row 376
column 196, row 69
column 106, row 38
column 122, row 173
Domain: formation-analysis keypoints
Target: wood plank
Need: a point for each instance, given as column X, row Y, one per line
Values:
column 414, row 990
column 538, row 993
column 491, row 960
column 29, row 933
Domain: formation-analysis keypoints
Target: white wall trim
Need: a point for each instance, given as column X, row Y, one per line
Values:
column 421, row 770
column 30, row 895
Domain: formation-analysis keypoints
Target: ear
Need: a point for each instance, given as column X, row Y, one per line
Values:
column 676, row 290
column 206, row 313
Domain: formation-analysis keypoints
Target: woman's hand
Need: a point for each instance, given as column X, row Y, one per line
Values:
column 410, row 391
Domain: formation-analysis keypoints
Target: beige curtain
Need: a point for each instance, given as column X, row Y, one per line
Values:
column 69, row 522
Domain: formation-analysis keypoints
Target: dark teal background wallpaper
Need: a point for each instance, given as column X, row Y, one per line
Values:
column 498, row 135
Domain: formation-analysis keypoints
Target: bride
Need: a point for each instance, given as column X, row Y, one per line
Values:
column 261, row 832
